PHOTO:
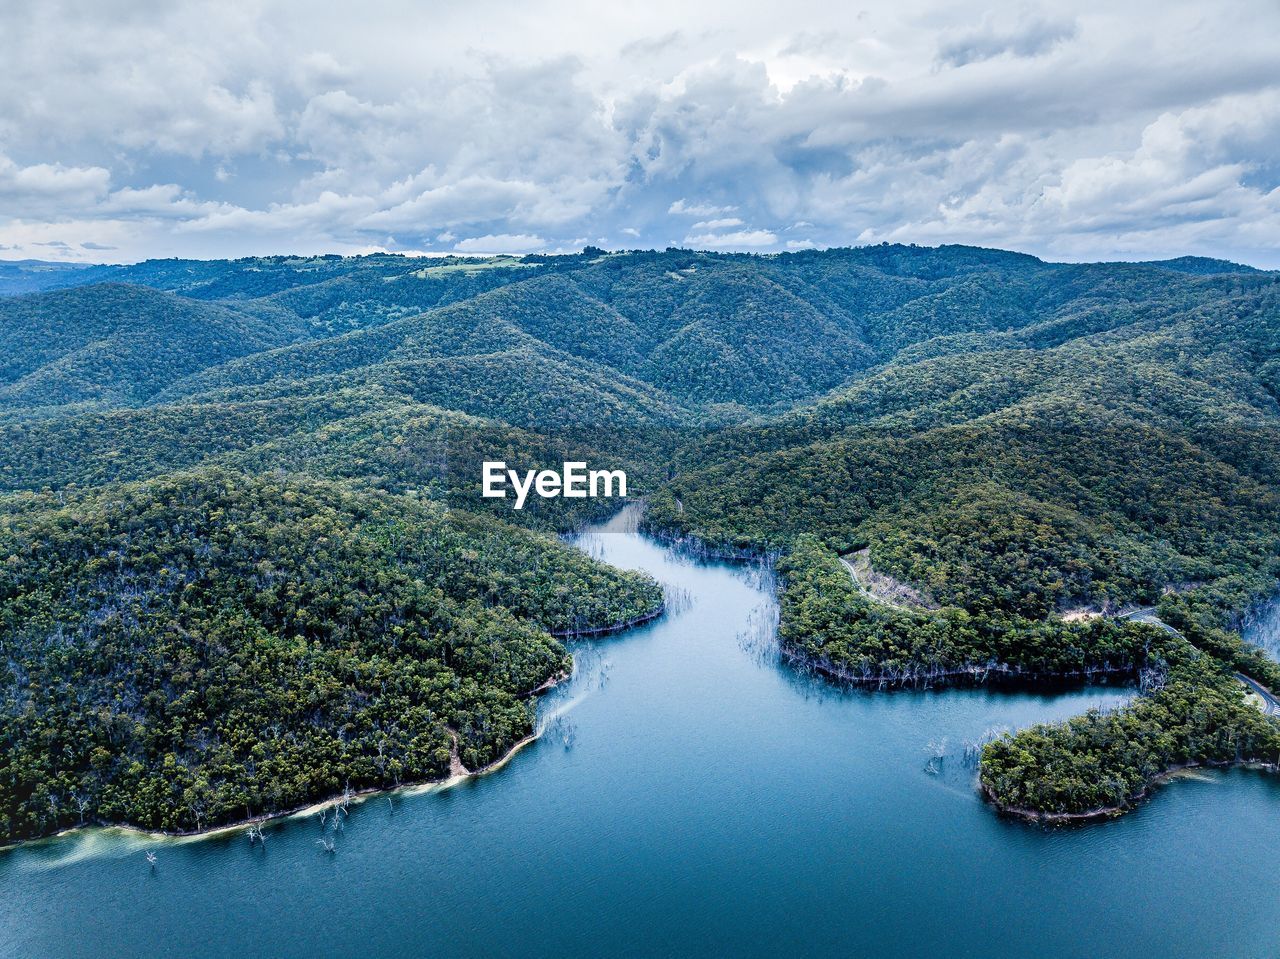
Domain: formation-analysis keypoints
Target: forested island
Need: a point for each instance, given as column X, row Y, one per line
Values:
column 247, row 566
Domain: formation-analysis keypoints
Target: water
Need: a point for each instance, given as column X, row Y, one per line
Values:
column 710, row 802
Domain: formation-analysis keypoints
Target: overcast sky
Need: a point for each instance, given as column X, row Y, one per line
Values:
column 1076, row 131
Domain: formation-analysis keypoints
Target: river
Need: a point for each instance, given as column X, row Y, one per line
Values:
column 692, row 796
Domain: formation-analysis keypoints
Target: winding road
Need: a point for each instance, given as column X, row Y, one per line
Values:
column 862, row 588
column 1147, row 614
column 1270, row 705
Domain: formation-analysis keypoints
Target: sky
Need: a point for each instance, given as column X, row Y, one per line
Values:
column 1082, row 131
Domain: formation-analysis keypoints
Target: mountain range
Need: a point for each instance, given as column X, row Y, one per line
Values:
column 213, row 470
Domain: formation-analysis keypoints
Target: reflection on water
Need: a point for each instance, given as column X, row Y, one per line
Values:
column 691, row 794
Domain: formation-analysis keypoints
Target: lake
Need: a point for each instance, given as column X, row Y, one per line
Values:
column 692, row 796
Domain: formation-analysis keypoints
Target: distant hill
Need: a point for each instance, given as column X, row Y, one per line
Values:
column 32, row 276
column 118, row 345
column 1203, row 266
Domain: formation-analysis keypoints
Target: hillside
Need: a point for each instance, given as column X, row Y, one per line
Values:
column 366, row 436
column 34, row 276
column 211, row 645
column 117, row 345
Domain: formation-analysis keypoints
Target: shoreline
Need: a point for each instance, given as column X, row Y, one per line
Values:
column 993, row 676
column 1101, row 813
column 960, row 677
column 973, row 677
column 700, row 549
column 311, row 808
column 615, row 628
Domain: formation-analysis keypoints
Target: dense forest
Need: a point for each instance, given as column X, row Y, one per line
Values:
column 246, row 565
column 211, row 645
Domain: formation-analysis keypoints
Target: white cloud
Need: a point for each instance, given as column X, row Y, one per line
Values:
column 44, row 189
column 1030, row 37
column 501, row 243
column 683, row 207
column 743, row 239
column 219, row 129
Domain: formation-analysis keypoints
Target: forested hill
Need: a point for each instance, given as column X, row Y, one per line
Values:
column 705, row 332
column 119, row 345
column 211, row 646
column 1019, row 442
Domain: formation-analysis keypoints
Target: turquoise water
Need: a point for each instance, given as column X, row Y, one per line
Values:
column 692, row 796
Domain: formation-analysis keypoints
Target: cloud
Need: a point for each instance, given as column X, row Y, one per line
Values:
column 90, row 245
column 42, row 189
column 501, row 243
column 651, row 46
column 207, row 129
column 1028, row 39
column 683, row 207
column 743, row 239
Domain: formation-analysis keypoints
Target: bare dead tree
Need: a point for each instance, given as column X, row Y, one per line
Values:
column 937, row 756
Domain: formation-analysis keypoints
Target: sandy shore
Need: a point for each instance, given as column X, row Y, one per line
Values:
column 458, row 773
